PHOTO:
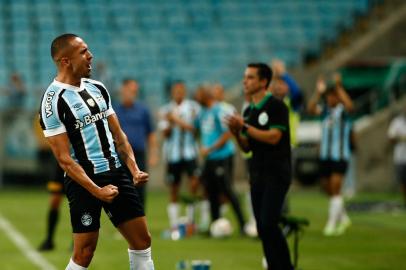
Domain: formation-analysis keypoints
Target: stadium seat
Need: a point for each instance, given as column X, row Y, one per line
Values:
column 199, row 41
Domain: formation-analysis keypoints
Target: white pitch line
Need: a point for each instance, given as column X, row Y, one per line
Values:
column 18, row 239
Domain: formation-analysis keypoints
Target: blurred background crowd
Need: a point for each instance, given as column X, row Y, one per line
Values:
column 210, row 42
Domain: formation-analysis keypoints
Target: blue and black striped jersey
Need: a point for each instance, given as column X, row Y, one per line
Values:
column 82, row 113
column 336, row 129
column 181, row 145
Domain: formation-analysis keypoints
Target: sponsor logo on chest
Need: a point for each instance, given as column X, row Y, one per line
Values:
column 90, row 119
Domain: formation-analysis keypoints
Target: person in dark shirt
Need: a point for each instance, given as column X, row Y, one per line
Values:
column 264, row 130
column 136, row 121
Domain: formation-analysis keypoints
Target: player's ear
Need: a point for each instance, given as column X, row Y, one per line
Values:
column 64, row 61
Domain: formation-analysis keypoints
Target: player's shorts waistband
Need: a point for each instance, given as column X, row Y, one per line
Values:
column 91, row 173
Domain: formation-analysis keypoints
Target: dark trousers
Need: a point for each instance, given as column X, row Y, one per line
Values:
column 217, row 181
column 268, row 191
column 140, row 158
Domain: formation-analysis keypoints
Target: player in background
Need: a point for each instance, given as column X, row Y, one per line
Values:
column 292, row 96
column 180, row 149
column 136, row 121
column 219, row 96
column 397, row 136
column 334, row 147
column 217, row 150
column 280, row 88
column 55, row 176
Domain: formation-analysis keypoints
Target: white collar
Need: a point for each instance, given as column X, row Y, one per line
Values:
column 68, row 86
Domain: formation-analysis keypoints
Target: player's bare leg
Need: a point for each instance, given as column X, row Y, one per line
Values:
column 194, row 184
column 338, row 220
column 84, row 245
column 325, row 185
column 135, row 231
column 173, row 207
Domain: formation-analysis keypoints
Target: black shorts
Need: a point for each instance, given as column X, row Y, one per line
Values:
column 216, row 171
column 55, row 185
column 85, row 209
column 175, row 170
column 401, row 173
column 230, row 167
column 328, row 167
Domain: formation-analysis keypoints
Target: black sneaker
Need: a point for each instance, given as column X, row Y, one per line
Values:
column 46, row 246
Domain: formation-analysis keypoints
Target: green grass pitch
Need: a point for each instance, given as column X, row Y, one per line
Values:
column 375, row 240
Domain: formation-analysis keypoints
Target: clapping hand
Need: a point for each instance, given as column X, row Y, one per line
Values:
column 235, row 123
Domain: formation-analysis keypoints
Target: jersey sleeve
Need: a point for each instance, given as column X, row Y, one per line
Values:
column 107, row 98
column 110, row 109
column 49, row 119
column 223, row 112
column 279, row 116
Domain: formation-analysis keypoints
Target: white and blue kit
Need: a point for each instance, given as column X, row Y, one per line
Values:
column 180, row 147
column 181, row 144
column 82, row 113
column 336, row 129
column 217, row 170
column 211, row 126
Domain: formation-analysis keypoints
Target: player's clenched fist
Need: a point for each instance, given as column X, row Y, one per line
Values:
column 107, row 193
column 140, row 178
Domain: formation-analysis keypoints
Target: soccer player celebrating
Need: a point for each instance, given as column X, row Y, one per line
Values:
column 265, row 131
column 86, row 138
column 334, row 148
